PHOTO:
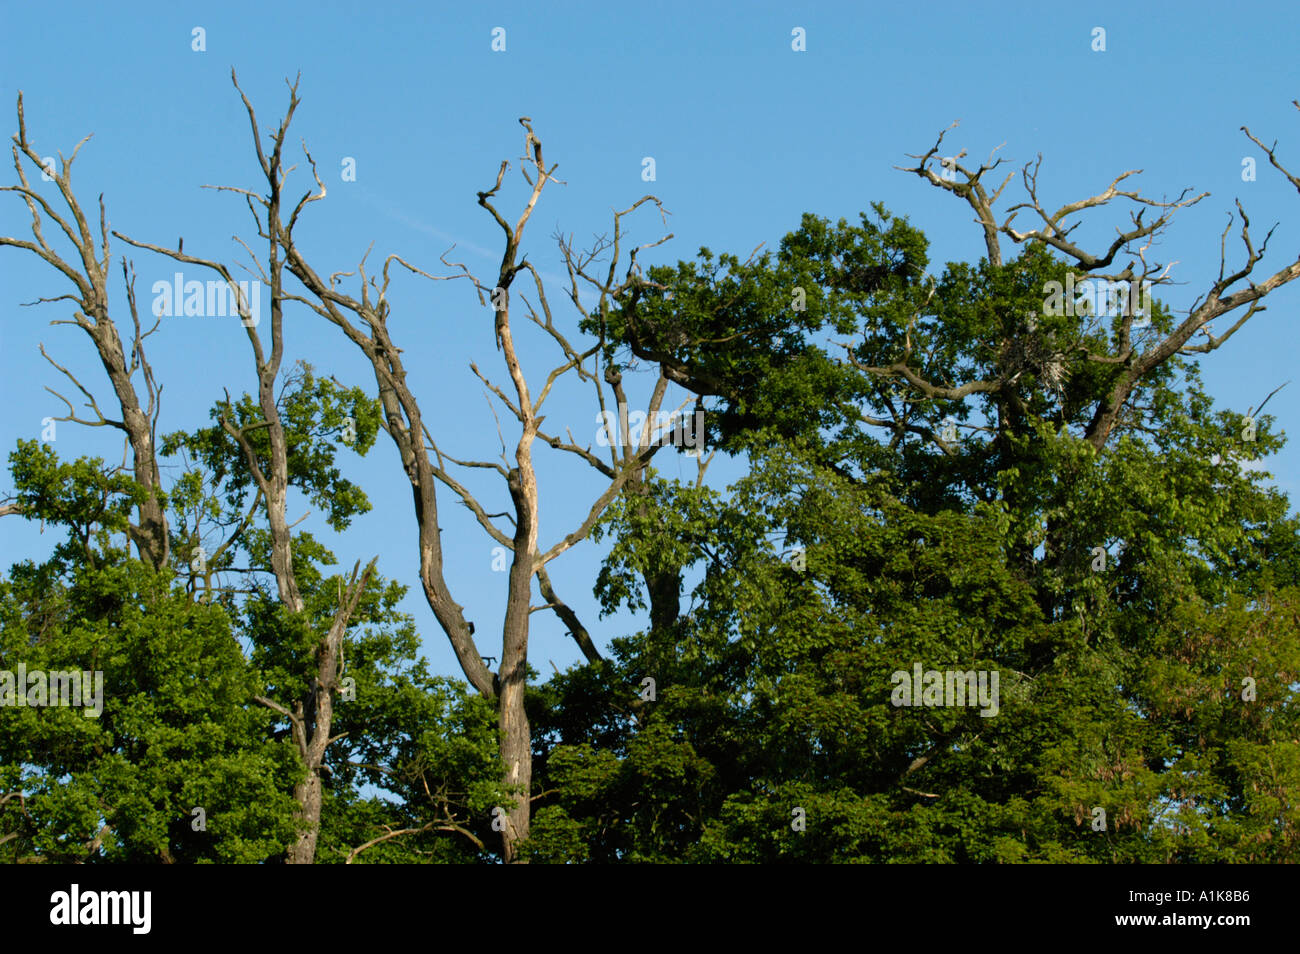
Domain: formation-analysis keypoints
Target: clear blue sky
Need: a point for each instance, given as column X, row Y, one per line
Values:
column 746, row 133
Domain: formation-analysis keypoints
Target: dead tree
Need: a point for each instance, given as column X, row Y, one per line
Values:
column 310, row 716
column 89, row 275
column 1234, row 289
column 1130, row 354
column 364, row 321
column 663, row 585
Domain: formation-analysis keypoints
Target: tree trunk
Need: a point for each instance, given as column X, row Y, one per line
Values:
column 515, row 732
column 150, row 536
column 517, row 754
column 308, row 796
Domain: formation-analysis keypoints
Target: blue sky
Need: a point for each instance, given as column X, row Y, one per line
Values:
column 746, row 134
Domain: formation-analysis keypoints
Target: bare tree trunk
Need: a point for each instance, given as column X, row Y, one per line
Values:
column 312, row 715
column 307, row 794
column 403, row 422
column 314, row 724
column 149, row 533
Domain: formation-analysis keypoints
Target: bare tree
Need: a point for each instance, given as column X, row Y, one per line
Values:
column 1131, row 353
column 663, row 584
column 1234, row 289
column 310, row 716
column 89, row 276
column 364, row 321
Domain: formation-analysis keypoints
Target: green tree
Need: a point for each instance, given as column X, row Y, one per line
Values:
column 177, row 728
column 993, row 483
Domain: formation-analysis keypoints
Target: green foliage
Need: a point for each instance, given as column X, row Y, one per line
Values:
column 1138, row 599
column 422, row 749
column 314, row 413
column 178, row 730
column 181, row 727
column 1131, row 600
column 91, row 500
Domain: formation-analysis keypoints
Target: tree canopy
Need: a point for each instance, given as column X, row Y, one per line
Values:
column 1000, row 581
